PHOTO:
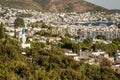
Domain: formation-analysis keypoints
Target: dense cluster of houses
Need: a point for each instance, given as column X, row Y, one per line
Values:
column 73, row 22
column 94, row 58
column 63, row 23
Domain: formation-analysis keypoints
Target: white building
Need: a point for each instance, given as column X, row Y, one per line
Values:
column 24, row 45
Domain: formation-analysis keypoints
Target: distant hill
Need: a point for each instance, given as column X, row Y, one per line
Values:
column 53, row 5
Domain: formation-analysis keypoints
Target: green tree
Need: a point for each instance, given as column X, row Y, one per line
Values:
column 101, row 37
column 76, row 48
column 88, row 42
column 99, row 46
column 67, row 43
column 108, row 48
column 116, row 41
column 19, row 22
column 105, row 62
column 2, row 32
column 111, row 49
column 38, row 45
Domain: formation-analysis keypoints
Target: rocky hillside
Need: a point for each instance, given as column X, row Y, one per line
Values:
column 52, row 5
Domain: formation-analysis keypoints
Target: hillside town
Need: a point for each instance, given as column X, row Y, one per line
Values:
column 52, row 27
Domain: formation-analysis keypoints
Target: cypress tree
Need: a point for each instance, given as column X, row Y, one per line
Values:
column 19, row 22
column 2, row 32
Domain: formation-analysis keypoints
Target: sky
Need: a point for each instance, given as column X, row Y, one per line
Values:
column 109, row 4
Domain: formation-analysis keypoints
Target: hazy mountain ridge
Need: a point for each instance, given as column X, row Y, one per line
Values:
column 115, row 10
column 52, row 5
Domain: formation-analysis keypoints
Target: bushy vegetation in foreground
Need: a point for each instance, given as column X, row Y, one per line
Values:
column 41, row 64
